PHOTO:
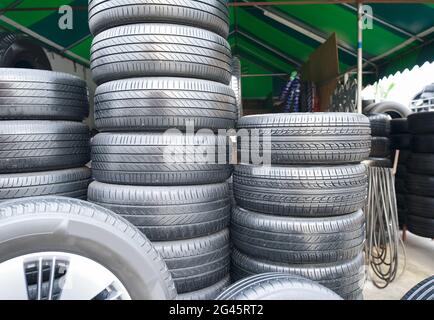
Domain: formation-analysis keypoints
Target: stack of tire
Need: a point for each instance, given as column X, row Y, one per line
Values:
column 44, row 146
column 420, row 176
column 401, row 140
column 160, row 65
column 302, row 215
column 381, row 146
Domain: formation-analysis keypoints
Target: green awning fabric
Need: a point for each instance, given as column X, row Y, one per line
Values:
column 402, row 35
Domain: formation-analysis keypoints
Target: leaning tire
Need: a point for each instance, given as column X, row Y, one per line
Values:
column 421, row 123
column 394, row 109
column 197, row 263
column 51, row 224
column 169, row 212
column 43, row 95
column 42, row 145
column 422, row 291
column 154, row 104
column 301, row 191
column 157, row 159
column 71, row 183
column 154, row 49
column 323, row 138
column 285, row 240
column 209, row 293
column 212, row 15
column 276, row 286
column 19, row 51
column 344, row 278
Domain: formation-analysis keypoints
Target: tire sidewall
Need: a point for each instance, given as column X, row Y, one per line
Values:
column 22, row 50
column 87, row 237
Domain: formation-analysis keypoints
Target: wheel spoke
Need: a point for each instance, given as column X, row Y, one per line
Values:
column 57, row 275
column 116, row 296
column 39, row 278
column 51, row 283
column 84, row 281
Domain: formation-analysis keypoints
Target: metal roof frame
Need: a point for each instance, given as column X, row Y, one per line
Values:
column 300, row 29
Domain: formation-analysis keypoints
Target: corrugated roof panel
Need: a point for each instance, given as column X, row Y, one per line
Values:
column 263, row 42
column 29, row 18
column 414, row 18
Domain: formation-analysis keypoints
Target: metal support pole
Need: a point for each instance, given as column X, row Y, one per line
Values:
column 360, row 57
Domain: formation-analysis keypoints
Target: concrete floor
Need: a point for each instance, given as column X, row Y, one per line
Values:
column 420, row 265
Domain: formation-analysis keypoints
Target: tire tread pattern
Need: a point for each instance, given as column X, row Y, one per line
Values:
column 298, row 240
column 301, row 191
column 42, row 145
column 312, row 138
column 69, row 183
column 42, row 95
column 344, row 278
column 154, row 49
column 153, row 104
column 212, row 15
column 167, row 213
column 197, row 263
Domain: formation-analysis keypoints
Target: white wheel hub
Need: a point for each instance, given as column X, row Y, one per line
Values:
column 58, row 276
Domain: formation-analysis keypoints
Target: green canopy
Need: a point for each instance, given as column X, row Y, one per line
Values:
column 269, row 39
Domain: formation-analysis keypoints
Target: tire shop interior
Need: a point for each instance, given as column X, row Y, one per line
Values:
column 339, row 96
